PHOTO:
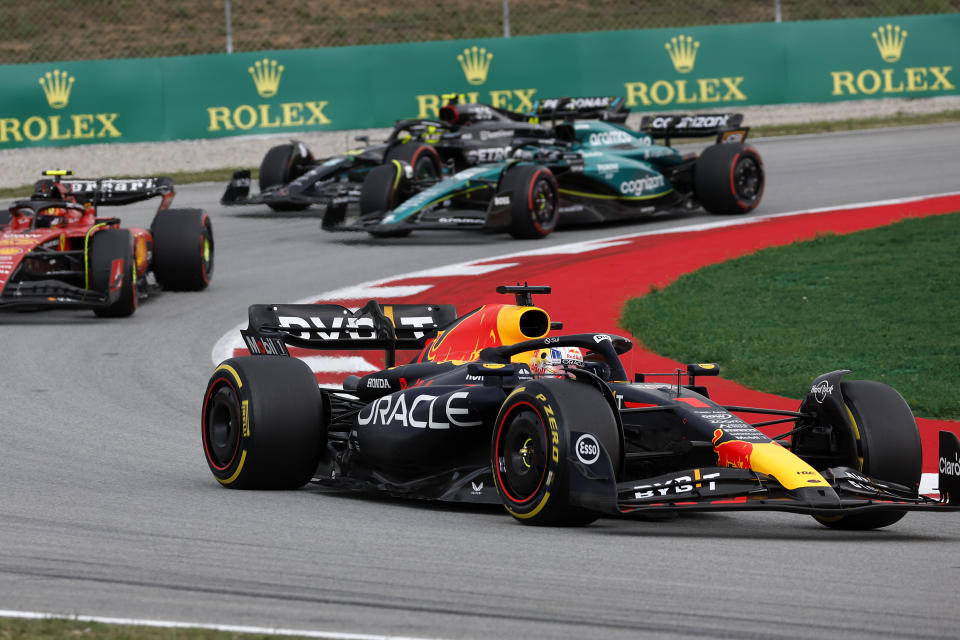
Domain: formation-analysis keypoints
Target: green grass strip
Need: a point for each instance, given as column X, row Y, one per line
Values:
column 883, row 303
column 57, row 629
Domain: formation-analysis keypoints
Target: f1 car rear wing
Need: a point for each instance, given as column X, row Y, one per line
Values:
column 607, row 108
column 271, row 327
column 105, row 191
column 726, row 126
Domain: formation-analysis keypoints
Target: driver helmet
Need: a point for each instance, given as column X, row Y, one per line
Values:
column 554, row 361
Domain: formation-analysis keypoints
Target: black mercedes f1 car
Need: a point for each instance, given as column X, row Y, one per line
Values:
column 474, row 418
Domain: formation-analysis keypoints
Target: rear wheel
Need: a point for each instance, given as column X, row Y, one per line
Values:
column 728, row 179
column 281, row 165
column 532, row 440
column 263, row 423
column 182, row 249
column 533, row 200
column 381, row 192
column 113, row 272
column 888, row 446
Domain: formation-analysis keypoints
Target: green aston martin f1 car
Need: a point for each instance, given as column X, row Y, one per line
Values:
column 589, row 171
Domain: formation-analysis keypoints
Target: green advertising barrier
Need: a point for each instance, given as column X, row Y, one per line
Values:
column 695, row 68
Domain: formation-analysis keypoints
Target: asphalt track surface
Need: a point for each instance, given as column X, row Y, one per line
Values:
column 107, row 507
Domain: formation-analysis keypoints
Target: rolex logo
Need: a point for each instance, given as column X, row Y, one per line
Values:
column 476, row 63
column 683, row 52
column 266, row 76
column 56, row 86
column 889, row 41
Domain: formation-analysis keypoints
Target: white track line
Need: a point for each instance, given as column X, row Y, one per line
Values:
column 169, row 624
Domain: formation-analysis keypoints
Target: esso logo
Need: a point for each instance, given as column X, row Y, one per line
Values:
column 587, row 449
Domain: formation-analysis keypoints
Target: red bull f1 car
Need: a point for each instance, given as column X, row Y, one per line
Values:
column 473, row 418
column 56, row 251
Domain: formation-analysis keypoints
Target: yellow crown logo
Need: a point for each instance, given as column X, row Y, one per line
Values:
column 890, row 41
column 476, row 63
column 56, row 86
column 683, row 52
column 266, row 76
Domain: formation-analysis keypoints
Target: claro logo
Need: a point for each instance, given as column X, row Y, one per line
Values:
column 950, row 468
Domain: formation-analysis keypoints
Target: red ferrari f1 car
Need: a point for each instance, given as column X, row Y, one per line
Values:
column 56, row 252
column 497, row 409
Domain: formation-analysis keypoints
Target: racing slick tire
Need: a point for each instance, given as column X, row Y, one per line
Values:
column 422, row 157
column 531, row 443
column 182, row 249
column 264, row 423
column 381, row 192
column 533, row 200
column 105, row 247
column 728, row 179
column 888, row 446
column 283, row 164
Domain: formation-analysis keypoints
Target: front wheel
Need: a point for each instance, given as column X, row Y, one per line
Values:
column 111, row 270
column 728, row 179
column 281, row 165
column 532, row 440
column 263, row 423
column 888, row 446
column 533, row 200
column 382, row 190
column 423, row 158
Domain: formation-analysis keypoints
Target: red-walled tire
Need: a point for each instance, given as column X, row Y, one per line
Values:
column 728, row 179
column 533, row 193
column 531, row 442
column 422, row 157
